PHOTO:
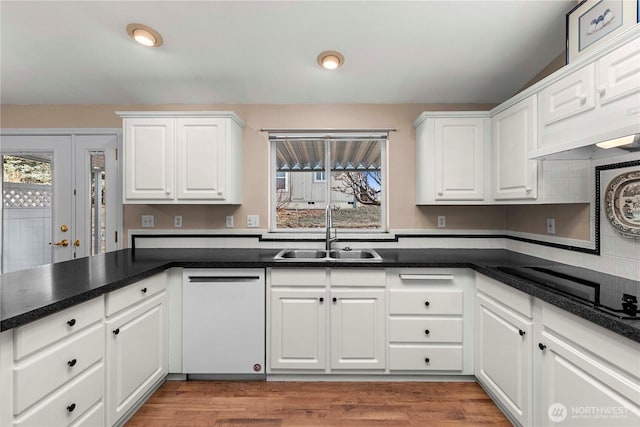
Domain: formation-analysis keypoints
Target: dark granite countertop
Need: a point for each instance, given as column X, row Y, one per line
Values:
column 31, row 294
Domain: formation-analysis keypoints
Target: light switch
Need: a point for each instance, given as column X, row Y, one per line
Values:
column 442, row 221
column 229, row 221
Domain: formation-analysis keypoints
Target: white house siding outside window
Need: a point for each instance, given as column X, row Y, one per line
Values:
column 353, row 184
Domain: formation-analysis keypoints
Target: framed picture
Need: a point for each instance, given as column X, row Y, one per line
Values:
column 593, row 21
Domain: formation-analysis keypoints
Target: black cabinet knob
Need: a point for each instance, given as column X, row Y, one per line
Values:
column 426, row 304
column 116, row 331
column 334, row 299
column 71, row 322
column 426, row 360
column 71, row 407
column 427, row 332
column 321, row 299
column 143, row 290
column 521, row 332
column 542, row 346
column 72, row 363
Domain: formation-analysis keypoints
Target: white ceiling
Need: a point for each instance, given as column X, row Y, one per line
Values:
column 70, row 52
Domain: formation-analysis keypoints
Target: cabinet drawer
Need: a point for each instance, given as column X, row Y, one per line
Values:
column 50, row 329
column 132, row 294
column 51, row 368
column 425, row 330
column 298, row 277
column 426, row 358
column 69, row 403
column 357, row 277
column 431, row 301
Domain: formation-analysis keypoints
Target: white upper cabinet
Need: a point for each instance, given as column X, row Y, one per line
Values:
column 596, row 102
column 452, row 156
column 514, row 136
column 174, row 157
column 202, row 144
column 149, row 158
column 570, row 96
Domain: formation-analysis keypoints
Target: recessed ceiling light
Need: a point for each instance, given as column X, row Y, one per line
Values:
column 144, row 35
column 330, row 59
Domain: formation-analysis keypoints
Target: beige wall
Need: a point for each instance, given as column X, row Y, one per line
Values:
column 572, row 220
column 403, row 213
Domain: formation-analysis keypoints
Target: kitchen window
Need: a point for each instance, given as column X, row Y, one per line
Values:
column 311, row 170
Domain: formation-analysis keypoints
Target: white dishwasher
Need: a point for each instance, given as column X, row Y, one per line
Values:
column 223, row 323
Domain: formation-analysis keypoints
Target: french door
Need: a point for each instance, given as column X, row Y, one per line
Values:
column 61, row 196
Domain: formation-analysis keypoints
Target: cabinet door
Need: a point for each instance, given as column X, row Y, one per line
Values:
column 136, row 355
column 503, row 358
column 149, row 158
column 298, row 329
column 568, row 97
column 459, row 159
column 619, row 73
column 201, row 158
column 514, row 135
column 358, row 329
column 579, row 390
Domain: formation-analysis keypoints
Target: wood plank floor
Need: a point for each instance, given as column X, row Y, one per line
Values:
column 293, row 404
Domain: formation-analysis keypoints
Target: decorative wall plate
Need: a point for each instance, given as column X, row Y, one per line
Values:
column 622, row 201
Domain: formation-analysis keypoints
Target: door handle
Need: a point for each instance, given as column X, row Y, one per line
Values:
column 76, row 243
column 64, row 243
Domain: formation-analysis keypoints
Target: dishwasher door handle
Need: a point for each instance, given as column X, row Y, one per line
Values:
column 222, row 279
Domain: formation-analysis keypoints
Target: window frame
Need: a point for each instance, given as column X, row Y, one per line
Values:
column 383, row 141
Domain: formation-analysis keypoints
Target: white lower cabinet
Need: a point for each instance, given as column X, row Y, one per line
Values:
column 137, row 344
column 588, row 376
column 298, row 329
column 503, row 358
column 53, row 369
column 430, row 314
column 326, row 320
column 357, row 329
column 544, row 366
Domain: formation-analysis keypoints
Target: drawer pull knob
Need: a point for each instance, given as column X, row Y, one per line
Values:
column 427, row 332
column 426, row 360
column 334, row 299
column 116, row 331
column 521, row 332
column 542, row 346
column 426, row 304
column 143, row 290
column 321, row 299
column 71, row 407
column 71, row 322
column 72, row 363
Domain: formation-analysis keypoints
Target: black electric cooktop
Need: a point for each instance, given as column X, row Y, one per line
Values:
column 618, row 297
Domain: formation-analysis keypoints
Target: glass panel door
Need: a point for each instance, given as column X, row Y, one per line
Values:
column 36, row 201
column 98, row 208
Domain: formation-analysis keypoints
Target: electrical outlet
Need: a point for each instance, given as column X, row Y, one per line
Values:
column 551, row 226
column 442, row 221
column 148, row 221
column 229, row 221
column 253, row 221
column 177, row 221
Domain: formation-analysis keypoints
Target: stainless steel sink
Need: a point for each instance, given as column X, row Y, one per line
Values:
column 355, row 254
column 304, row 254
column 344, row 255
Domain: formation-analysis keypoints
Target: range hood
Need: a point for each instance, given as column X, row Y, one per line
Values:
column 582, row 150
